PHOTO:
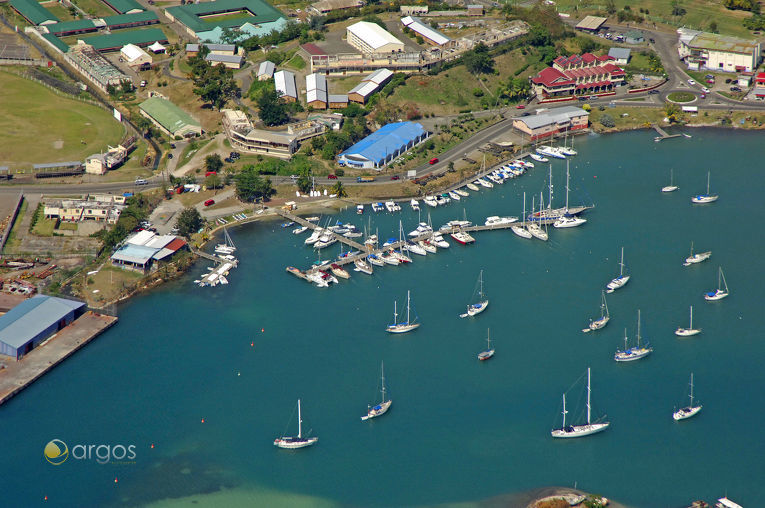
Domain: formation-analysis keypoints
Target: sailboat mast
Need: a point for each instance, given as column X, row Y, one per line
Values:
column 691, row 389
column 588, row 395
column 691, row 325
column 395, row 313
column 564, row 411
column 567, row 176
column 524, row 213
column 407, row 307
column 382, row 376
column 638, row 331
column 621, row 264
column 549, row 201
column 300, row 422
column 480, row 290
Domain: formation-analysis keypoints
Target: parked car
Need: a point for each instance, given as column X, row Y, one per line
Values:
column 228, row 160
column 209, row 202
column 294, row 177
column 653, row 91
column 141, row 181
column 582, row 98
column 705, row 89
column 209, row 173
column 691, row 82
column 434, row 160
column 169, row 156
column 735, row 89
column 395, row 177
column 520, row 106
column 332, row 177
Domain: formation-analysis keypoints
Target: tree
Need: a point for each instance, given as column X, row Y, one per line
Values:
column 250, row 186
column 607, row 120
column 215, row 85
column 339, row 190
column 671, row 110
column 272, row 110
column 304, row 181
column 478, row 61
column 610, row 7
column 213, row 163
column 713, row 27
column 214, row 182
column 189, row 222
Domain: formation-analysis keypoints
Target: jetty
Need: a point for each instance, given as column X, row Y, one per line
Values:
column 663, row 134
column 218, row 274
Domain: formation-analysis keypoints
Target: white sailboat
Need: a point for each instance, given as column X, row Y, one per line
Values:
column 483, row 302
column 697, row 258
column 689, row 410
column 635, row 352
column 705, row 198
column 473, row 187
column 719, row 293
column 296, row 442
column 404, row 326
column 619, row 281
column 534, row 228
column 363, row 267
column 488, row 352
column 227, row 247
column 381, row 408
column 671, row 187
column 520, row 229
column 580, row 430
column 688, row 332
column 602, row 321
column 567, row 220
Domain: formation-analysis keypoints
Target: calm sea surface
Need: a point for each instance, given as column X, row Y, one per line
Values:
column 239, row 356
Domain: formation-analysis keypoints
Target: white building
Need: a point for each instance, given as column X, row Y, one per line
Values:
column 266, row 70
column 316, row 91
column 135, row 56
column 285, row 85
column 707, row 51
column 427, row 33
column 371, row 38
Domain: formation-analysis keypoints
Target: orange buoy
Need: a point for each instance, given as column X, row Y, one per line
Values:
column 252, row 344
column 262, row 330
column 152, row 446
column 115, row 479
column 203, row 420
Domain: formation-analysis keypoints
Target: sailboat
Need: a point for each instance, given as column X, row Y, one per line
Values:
column 404, row 326
column 705, row 198
column 619, row 281
column 689, row 410
column 580, row 430
column 697, row 258
column 671, row 187
column 567, row 220
column 599, row 323
column 534, row 228
column 481, row 304
column 296, row 442
column 634, row 353
column 381, row 408
column 227, row 247
column 719, row 293
column 520, row 229
column 687, row 332
column 489, row 352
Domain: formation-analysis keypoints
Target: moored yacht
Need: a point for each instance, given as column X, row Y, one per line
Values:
column 550, row 151
column 462, row 237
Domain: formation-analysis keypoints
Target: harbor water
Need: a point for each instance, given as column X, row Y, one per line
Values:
column 201, row 380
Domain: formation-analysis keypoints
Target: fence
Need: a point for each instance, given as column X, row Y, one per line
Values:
column 20, row 61
column 14, row 216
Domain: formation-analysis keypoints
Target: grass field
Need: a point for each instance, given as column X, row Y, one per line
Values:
column 296, row 62
column 40, row 126
column 58, row 10
column 681, row 97
column 94, row 7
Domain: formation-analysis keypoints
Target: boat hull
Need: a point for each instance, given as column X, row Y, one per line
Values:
column 697, row 258
column 670, row 188
column 598, row 323
column 685, row 413
column 475, row 309
column 580, row 430
column 378, row 410
column 632, row 354
column 687, row 332
column 485, row 355
column 521, row 231
column 716, row 295
column 703, row 198
column 402, row 328
column 292, row 443
column 617, row 283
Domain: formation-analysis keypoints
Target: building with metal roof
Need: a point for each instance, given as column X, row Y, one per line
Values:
column 134, row 257
column 124, row 6
column 590, row 23
column 361, row 93
column 286, row 85
column 199, row 21
column 94, row 66
column 337, row 101
column 115, row 41
column 383, row 145
column 430, row 35
column 372, row 38
column 228, row 61
column 266, row 70
column 171, row 119
column 33, row 321
column 135, row 56
column 551, row 122
column 325, row 6
column 621, row 55
column 33, row 12
column 244, row 137
column 708, row 51
column 56, row 42
column 379, row 77
column 131, row 20
column 78, row 26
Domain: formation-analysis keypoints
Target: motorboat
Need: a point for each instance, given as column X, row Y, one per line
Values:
column 484, row 183
column 441, row 200
column 539, row 158
column 462, row 237
column 359, row 209
column 550, row 151
column 317, row 233
column 415, row 205
column 414, row 248
column 299, row 230
column 378, row 207
column 439, row 241
column 568, row 221
column 421, row 229
column 496, row 220
column 430, row 201
column 462, row 193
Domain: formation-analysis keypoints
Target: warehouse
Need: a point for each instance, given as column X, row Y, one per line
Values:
column 371, row 38
column 325, row 6
column 135, row 56
column 131, row 20
column 552, row 122
column 383, row 145
column 228, row 61
column 115, row 41
column 33, row 12
column 170, row 119
column 80, row 26
column 94, row 66
column 33, row 321
column 285, row 85
column 124, row 6
column 427, row 33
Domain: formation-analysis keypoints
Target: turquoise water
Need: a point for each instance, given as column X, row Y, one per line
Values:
column 458, row 430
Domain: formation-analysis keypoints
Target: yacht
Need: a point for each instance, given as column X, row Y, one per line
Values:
column 454, row 196
column 690, row 331
column 430, row 201
column 317, row 233
column 404, row 326
column 539, row 158
column 496, row 220
column 415, row 205
column 414, row 248
column 439, row 241
column 570, row 431
column 421, row 229
column 296, row 442
column 635, row 352
column 462, row 237
column 705, row 198
column 569, row 221
column 484, row 183
column 550, row 151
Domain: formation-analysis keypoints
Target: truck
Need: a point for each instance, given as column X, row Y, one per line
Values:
column 362, row 179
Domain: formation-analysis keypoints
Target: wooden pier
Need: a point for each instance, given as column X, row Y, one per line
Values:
column 663, row 134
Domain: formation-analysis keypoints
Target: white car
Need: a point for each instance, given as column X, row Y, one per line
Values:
column 691, row 82
column 705, row 89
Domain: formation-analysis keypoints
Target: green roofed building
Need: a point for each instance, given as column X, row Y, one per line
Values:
column 34, row 12
column 131, row 20
column 205, row 21
column 56, row 42
column 124, row 6
column 78, row 26
column 115, row 41
column 170, row 119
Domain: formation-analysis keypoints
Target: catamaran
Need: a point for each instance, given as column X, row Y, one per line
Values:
column 404, row 326
column 462, row 237
column 705, row 198
column 689, row 410
column 489, row 352
column 227, row 247
column 687, row 332
column 671, row 187
column 602, row 321
column 296, row 442
column 483, row 302
column 580, row 430
column 697, row 258
column 719, row 293
column 635, row 352
column 619, row 281
column 549, row 151
column 381, row 408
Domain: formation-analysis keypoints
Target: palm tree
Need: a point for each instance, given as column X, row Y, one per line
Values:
column 339, row 190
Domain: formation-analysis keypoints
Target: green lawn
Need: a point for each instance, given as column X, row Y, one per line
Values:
column 40, row 126
column 44, row 227
column 226, row 17
column 296, row 62
column 681, row 97
column 58, row 10
column 94, row 7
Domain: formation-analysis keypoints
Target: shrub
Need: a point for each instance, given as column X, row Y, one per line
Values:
column 607, row 120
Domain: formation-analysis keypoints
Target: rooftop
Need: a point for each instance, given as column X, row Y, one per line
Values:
column 212, row 57
column 189, row 14
column 122, row 38
column 71, row 26
column 266, row 68
column 285, row 83
column 136, row 254
column 590, row 23
column 619, row 53
column 386, row 140
column 379, row 76
column 33, row 11
column 716, row 42
column 138, row 17
column 124, row 6
column 421, row 28
column 372, row 34
column 31, row 317
column 556, row 115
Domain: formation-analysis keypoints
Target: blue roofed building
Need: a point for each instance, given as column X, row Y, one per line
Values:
column 33, row 321
column 383, row 145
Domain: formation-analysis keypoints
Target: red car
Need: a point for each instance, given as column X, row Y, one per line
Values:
column 332, row 177
column 433, row 160
column 211, row 173
column 520, row 106
column 209, row 202
column 395, row 177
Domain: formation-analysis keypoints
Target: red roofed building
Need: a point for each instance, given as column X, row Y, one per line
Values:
column 577, row 75
column 760, row 79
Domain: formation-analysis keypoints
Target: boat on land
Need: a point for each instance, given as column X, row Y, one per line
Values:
column 472, row 187
column 705, row 198
column 462, row 237
column 482, row 302
column 636, row 352
column 697, row 258
column 586, row 429
column 621, row 280
column 539, row 158
column 689, row 410
column 381, row 408
column 488, row 352
column 671, row 187
column 550, row 151
column 363, row 267
column 602, row 321
column 690, row 331
column 403, row 326
column 719, row 293
column 415, row 205
column 298, row 441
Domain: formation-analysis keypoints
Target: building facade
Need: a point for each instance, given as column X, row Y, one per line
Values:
column 549, row 123
column 714, row 52
column 578, row 75
column 371, row 38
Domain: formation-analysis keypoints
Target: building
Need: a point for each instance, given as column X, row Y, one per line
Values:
column 286, row 85
column 157, row 48
column 140, row 251
column 620, row 55
column 32, row 11
column 266, row 70
column 325, row 6
column 135, row 56
column 371, row 38
column 552, row 122
column 35, row 320
column 124, row 6
column 228, row 61
column 100, row 163
column 414, row 10
column 169, row 118
column 338, row 101
column 207, row 21
column 115, row 41
column 316, row 94
column 430, row 35
column 221, row 49
column 634, row 37
column 577, row 75
column 244, row 137
column 76, row 27
column 106, row 208
column 192, row 50
column 475, row 10
column 590, row 24
column 361, row 93
column 707, row 51
column 94, row 66
column 120, row 21
column 383, row 145
column 380, row 77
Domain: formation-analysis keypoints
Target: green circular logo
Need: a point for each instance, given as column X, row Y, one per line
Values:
column 56, row 452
